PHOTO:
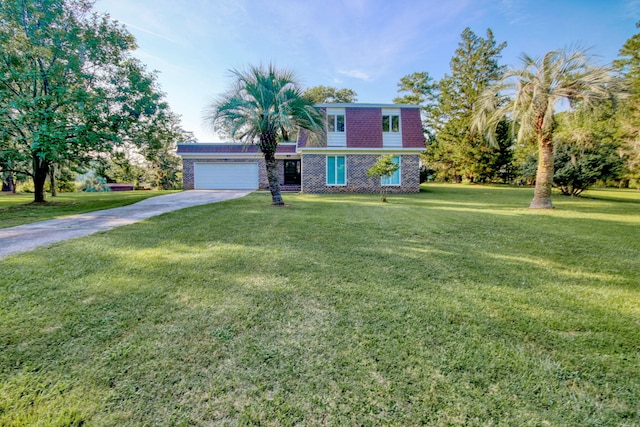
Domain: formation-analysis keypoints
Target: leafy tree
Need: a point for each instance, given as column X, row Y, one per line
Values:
column 420, row 89
column 329, row 94
column 122, row 166
column 578, row 168
column 165, row 166
column 629, row 113
column 150, row 161
column 586, row 147
column 383, row 167
column 69, row 87
column 263, row 104
column 460, row 152
column 530, row 96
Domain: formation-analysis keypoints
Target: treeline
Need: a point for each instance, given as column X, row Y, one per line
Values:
column 594, row 141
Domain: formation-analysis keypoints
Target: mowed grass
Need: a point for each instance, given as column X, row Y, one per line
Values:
column 18, row 209
column 455, row 306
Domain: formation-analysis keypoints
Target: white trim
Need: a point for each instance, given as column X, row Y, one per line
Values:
column 237, row 156
column 336, row 138
column 326, row 168
column 350, row 150
column 251, row 156
column 356, row 105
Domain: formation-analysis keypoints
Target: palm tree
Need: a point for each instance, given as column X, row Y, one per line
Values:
column 530, row 96
column 265, row 104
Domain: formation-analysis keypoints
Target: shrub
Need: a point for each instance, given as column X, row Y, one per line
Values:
column 94, row 184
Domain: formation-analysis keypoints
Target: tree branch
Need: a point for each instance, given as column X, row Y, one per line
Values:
column 21, row 172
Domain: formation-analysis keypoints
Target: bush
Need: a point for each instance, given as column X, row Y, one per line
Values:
column 577, row 169
column 92, row 184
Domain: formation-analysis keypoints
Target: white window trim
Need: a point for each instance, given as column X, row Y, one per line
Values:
column 335, row 170
column 392, row 112
column 399, row 184
column 335, row 123
column 335, row 112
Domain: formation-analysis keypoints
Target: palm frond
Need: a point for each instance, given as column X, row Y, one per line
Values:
column 530, row 94
column 263, row 99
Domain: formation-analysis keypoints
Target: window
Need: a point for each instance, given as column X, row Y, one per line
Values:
column 335, row 122
column 395, row 178
column 336, row 170
column 390, row 123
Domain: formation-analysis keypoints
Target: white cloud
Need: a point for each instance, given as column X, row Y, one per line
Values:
column 356, row 74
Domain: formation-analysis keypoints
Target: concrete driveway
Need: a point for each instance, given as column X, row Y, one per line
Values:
column 29, row 236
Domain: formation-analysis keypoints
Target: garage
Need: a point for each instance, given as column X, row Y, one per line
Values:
column 225, row 176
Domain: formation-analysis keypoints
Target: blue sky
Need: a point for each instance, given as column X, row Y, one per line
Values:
column 364, row 45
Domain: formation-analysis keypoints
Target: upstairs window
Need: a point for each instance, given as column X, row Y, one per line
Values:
column 391, row 123
column 335, row 122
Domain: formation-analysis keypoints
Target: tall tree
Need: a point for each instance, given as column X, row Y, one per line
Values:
column 69, row 87
column 531, row 94
column 628, row 64
column 263, row 104
column 460, row 150
column 160, row 150
column 329, row 94
column 420, row 89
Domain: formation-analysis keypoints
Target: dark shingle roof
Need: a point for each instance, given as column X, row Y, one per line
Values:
column 224, row 148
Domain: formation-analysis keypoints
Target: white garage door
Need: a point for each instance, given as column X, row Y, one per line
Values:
column 225, row 176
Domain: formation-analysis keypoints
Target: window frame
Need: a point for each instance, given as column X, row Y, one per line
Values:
column 333, row 120
column 392, row 117
column 335, row 173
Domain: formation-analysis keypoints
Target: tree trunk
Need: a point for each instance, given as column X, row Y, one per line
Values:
column 268, row 146
column 52, row 180
column 544, row 176
column 274, row 180
column 40, row 170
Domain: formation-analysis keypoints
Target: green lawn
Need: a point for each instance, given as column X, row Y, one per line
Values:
column 455, row 306
column 18, row 209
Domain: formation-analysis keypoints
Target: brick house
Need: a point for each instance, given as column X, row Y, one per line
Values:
column 356, row 134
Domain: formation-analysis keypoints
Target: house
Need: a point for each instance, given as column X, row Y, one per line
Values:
column 356, row 135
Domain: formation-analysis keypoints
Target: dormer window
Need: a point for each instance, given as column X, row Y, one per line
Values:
column 391, row 122
column 391, row 132
column 335, row 122
column 336, row 127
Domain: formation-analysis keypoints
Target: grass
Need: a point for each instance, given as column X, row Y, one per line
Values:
column 455, row 306
column 18, row 209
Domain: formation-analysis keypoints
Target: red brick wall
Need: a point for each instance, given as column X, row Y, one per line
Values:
column 364, row 127
column 314, row 175
column 412, row 136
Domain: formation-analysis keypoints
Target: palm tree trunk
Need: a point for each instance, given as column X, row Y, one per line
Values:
column 268, row 146
column 274, row 180
column 544, row 176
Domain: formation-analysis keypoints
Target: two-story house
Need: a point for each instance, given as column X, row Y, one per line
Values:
column 356, row 135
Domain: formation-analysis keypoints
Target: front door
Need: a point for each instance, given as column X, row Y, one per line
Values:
column 292, row 172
